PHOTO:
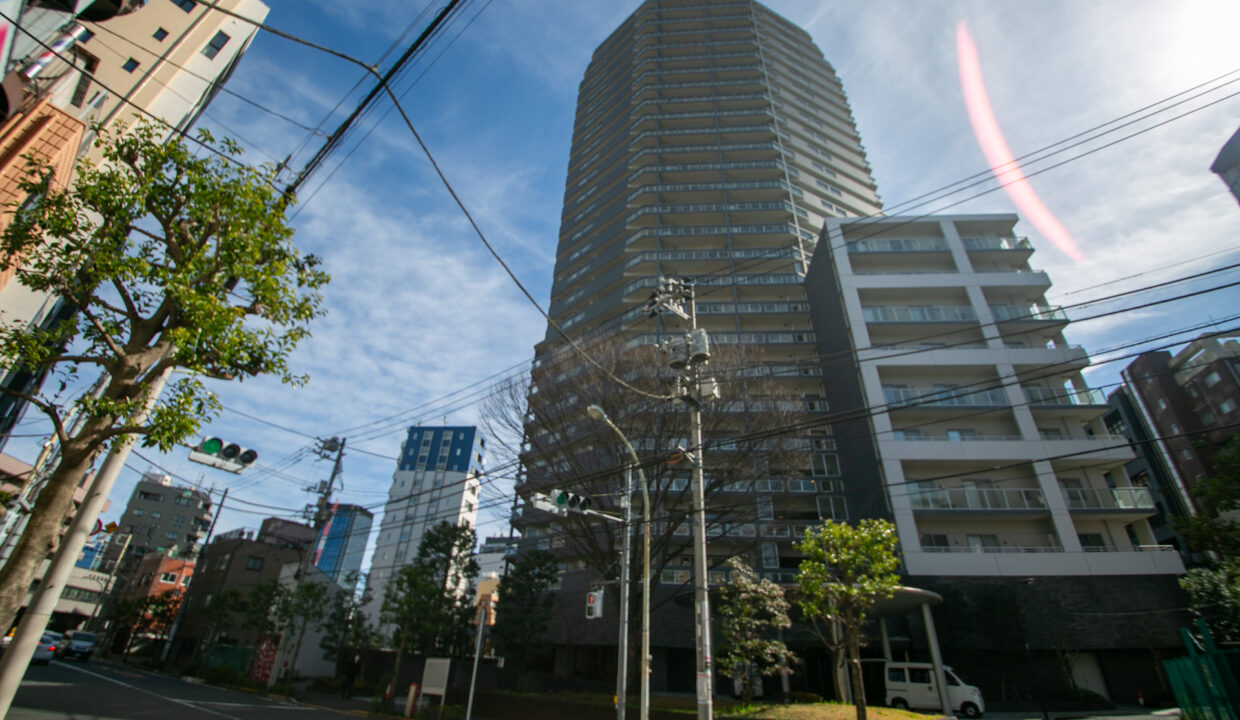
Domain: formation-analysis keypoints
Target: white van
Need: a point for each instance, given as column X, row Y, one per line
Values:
column 912, row 685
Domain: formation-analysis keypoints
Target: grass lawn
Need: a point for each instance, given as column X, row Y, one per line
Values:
column 820, row 711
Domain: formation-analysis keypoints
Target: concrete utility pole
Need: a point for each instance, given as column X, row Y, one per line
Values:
column 325, row 488
column 689, row 354
column 172, row 633
column 30, row 630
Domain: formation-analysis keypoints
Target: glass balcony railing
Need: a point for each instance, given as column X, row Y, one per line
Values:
column 895, row 313
column 935, row 397
column 996, row 243
column 883, row 245
column 979, row 499
column 1027, row 312
column 1108, row 498
column 1061, row 396
column 1004, row 549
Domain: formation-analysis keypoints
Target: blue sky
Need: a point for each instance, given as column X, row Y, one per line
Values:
column 418, row 310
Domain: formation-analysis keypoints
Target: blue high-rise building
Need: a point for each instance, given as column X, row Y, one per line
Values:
column 341, row 545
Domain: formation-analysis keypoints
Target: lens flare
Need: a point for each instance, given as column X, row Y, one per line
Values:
column 1004, row 166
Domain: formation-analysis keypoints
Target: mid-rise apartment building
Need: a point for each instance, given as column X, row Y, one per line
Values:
column 1189, row 403
column 163, row 517
column 77, row 63
column 436, row 481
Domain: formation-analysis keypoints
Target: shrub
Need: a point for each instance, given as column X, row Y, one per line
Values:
column 222, row 675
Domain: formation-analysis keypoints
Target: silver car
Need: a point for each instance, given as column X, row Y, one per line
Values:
column 47, row 648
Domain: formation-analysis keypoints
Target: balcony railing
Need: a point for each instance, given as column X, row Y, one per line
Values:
column 1060, row 396
column 895, row 313
column 885, row 245
column 1004, row 549
column 996, row 243
column 1108, row 498
column 979, row 499
column 931, row 397
column 1027, row 312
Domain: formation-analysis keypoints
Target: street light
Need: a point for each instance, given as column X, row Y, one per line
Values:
column 597, row 413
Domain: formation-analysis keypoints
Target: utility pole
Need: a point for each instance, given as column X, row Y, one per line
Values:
column 319, row 519
column 21, row 648
column 172, row 633
column 689, row 354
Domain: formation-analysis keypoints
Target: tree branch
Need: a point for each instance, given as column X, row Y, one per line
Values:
column 107, row 339
column 45, row 407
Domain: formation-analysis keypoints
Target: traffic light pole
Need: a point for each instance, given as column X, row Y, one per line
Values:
column 622, row 662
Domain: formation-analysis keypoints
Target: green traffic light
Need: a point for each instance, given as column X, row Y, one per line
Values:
column 561, row 498
column 212, row 446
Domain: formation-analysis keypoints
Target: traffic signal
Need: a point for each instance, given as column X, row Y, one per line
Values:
column 594, row 604
column 570, row 501
column 225, row 456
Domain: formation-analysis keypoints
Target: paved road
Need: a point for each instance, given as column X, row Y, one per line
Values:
column 66, row 690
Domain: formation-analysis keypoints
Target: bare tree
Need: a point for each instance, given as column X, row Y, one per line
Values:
column 755, row 434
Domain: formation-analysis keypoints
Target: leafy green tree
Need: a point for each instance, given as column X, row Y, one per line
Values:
column 297, row 608
column 1212, row 530
column 217, row 616
column 168, row 258
column 523, row 612
column 345, row 628
column 846, row 571
column 261, row 603
column 1214, row 594
column 750, row 610
column 430, row 601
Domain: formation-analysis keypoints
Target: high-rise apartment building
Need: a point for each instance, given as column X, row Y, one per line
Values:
column 924, row 377
column 436, row 481
column 712, row 140
column 342, row 543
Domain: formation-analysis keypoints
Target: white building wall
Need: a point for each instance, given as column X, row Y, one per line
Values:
column 993, row 453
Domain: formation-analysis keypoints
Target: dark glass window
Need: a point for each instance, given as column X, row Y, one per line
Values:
column 160, row 34
column 186, row 5
column 130, row 65
column 217, row 43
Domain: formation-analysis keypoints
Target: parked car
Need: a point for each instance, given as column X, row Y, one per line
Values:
column 47, row 647
column 912, row 685
column 77, row 644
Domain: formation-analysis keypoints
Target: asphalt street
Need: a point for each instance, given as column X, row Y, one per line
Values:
column 102, row 691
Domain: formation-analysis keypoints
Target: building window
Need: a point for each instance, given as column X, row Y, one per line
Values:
column 217, row 43
column 160, row 34
column 139, row 512
column 186, row 5
column 1225, row 407
column 168, row 577
column 254, row 562
column 130, row 65
column 1213, row 379
column 155, row 514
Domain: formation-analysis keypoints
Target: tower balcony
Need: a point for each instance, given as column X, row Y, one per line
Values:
column 1025, row 501
column 1125, row 503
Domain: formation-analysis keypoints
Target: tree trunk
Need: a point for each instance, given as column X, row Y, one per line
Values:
column 301, row 634
column 42, row 533
column 854, row 662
